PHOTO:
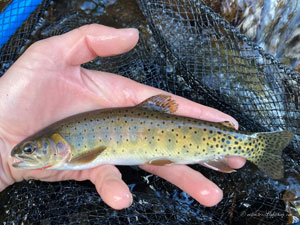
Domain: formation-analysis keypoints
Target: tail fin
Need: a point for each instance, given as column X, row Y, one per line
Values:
column 270, row 149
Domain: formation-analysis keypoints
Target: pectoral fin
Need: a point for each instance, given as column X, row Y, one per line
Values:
column 218, row 165
column 87, row 157
column 163, row 103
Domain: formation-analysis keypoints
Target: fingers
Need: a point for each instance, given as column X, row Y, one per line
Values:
column 112, row 189
column 87, row 42
column 236, row 162
column 131, row 93
column 190, row 181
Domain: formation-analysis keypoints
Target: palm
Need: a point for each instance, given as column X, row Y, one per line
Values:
column 47, row 84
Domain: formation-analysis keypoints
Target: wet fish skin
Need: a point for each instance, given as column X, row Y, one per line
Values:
column 147, row 134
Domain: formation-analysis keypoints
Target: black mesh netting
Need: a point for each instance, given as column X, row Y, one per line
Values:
column 189, row 50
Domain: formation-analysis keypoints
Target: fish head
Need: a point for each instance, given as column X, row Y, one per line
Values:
column 41, row 153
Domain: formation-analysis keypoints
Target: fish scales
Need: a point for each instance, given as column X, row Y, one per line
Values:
column 148, row 134
column 139, row 135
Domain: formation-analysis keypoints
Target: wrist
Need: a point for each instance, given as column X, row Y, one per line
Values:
column 6, row 178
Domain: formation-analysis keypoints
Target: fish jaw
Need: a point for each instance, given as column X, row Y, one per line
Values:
column 25, row 163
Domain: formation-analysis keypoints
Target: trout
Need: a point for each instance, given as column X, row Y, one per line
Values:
column 149, row 133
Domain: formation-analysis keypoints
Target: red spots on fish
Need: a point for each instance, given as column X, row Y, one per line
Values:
column 47, row 167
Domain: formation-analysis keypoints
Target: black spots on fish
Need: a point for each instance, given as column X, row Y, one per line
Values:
column 169, row 140
column 210, row 131
column 236, row 143
column 149, row 130
column 184, row 137
column 195, row 132
column 214, row 139
column 204, row 129
column 127, row 139
column 172, row 130
column 223, row 139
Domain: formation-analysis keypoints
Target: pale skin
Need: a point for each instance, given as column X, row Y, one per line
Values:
column 47, row 83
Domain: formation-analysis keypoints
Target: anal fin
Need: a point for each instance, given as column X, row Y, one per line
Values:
column 218, row 165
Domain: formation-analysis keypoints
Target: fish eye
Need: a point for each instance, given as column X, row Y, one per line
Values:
column 29, row 148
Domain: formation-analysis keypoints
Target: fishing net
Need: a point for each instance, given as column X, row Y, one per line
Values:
column 188, row 49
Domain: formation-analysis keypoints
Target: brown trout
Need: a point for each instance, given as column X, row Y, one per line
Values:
column 148, row 133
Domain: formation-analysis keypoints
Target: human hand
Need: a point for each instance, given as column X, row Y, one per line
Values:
column 47, row 84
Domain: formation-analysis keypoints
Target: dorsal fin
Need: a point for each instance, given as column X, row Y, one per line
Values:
column 163, row 103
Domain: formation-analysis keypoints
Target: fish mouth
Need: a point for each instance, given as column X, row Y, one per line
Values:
column 25, row 162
